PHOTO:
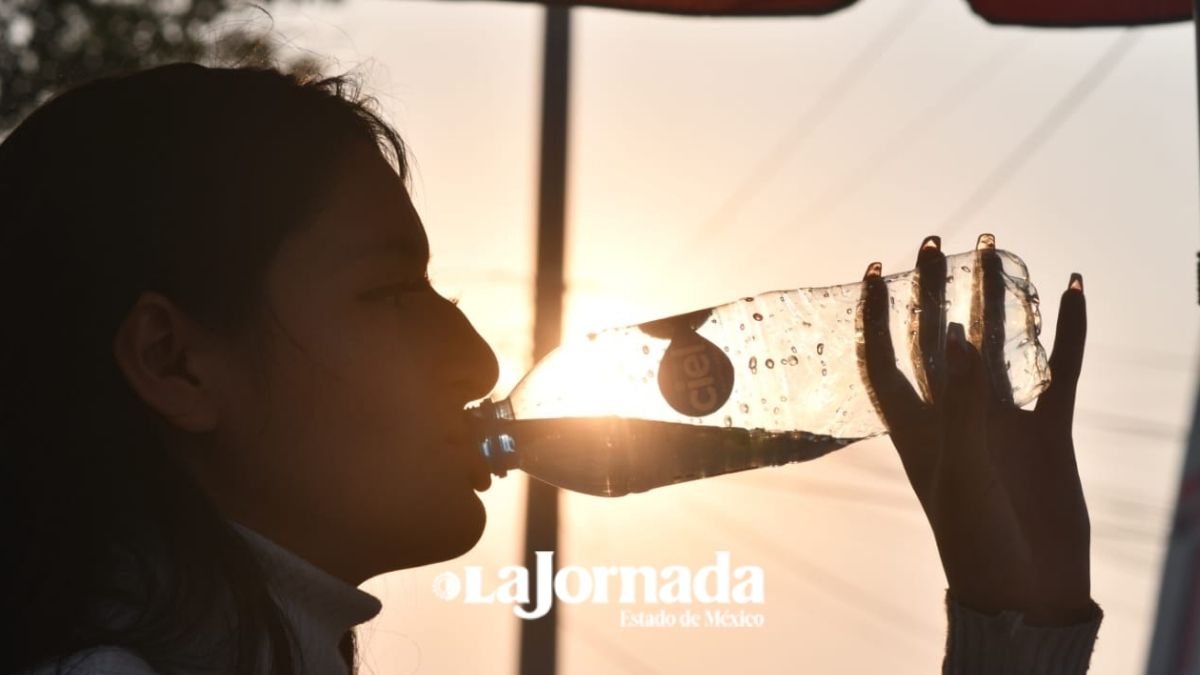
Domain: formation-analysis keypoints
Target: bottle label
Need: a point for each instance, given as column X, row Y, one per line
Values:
column 695, row 376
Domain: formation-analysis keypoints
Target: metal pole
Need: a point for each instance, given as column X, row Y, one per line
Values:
column 1175, row 645
column 538, row 636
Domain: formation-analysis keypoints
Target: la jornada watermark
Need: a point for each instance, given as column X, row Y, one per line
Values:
column 716, row 584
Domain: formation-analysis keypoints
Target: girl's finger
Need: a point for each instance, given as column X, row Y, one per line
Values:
column 1066, row 358
column 890, row 392
column 929, row 296
column 988, row 316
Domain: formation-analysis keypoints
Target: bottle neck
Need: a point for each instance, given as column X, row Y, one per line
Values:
column 496, row 445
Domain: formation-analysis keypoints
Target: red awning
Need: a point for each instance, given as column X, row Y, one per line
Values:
column 1067, row 13
column 1054, row 13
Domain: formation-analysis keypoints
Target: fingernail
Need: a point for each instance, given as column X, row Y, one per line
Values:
column 932, row 242
column 1076, row 282
column 873, row 270
column 985, row 241
column 955, row 334
column 956, row 352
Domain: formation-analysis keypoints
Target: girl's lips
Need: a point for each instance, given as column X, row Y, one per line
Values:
column 481, row 473
column 482, row 482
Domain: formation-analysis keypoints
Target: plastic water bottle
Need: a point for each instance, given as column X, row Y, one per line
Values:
column 761, row 381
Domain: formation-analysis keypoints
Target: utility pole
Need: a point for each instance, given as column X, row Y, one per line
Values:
column 539, row 641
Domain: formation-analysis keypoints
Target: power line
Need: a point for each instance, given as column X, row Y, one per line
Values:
column 950, row 100
column 1120, row 556
column 1148, row 358
column 1016, row 159
column 822, row 106
column 1127, row 504
column 1132, row 425
column 840, row 589
column 954, row 96
column 1116, row 524
column 859, row 495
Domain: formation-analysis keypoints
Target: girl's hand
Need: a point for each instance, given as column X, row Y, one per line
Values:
column 998, row 484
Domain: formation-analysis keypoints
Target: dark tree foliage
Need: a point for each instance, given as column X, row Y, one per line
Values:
column 46, row 45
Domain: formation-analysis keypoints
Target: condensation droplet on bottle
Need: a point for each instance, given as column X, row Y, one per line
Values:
column 770, row 363
column 849, row 310
column 757, row 316
column 794, row 349
column 741, row 326
column 825, row 294
column 775, row 411
column 744, row 408
column 645, row 349
column 754, row 364
column 820, row 347
column 727, row 422
column 748, row 299
column 783, row 399
column 793, row 360
column 966, row 269
column 824, row 371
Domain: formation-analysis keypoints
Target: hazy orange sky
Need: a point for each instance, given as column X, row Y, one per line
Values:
column 715, row 158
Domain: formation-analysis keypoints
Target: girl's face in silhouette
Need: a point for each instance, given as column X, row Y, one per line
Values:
column 342, row 434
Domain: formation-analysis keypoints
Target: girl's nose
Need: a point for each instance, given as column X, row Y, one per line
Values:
column 473, row 368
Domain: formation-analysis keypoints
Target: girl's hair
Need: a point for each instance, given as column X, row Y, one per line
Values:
column 184, row 180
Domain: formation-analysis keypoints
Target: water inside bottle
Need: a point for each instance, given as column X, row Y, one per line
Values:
column 612, row 456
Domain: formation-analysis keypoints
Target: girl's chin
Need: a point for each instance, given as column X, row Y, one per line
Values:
column 469, row 525
column 454, row 532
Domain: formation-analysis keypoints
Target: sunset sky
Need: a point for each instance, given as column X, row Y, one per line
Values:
column 716, row 158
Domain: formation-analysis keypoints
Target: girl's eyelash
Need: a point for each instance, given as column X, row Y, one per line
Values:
column 393, row 290
column 452, row 299
column 425, row 284
column 429, row 282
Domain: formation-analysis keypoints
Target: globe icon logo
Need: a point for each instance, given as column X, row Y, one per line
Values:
column 447, row 586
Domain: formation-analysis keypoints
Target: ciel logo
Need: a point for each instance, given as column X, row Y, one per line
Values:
column 695, row 376
column 673, row 584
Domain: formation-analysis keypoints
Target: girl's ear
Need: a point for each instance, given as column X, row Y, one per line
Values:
column 166, row 358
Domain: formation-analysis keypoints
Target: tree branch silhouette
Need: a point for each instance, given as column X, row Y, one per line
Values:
column 47, row 45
